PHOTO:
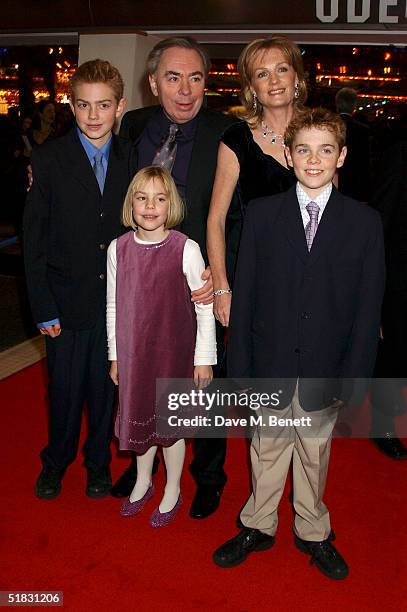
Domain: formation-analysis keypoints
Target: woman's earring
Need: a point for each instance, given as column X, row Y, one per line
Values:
column 296, row 91
column 254, row 102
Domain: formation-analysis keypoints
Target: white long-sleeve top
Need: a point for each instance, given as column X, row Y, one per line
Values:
column 192, row 266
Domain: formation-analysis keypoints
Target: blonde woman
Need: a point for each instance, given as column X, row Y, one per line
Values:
column 251, row 154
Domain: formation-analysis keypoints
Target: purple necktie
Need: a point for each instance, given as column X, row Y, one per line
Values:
column 312, row 225
column 165, row 156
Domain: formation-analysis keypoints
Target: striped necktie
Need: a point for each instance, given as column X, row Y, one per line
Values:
column 99, row 170
column 312, row 225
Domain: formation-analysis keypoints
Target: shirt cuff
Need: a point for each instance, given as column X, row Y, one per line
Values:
column 47, row 323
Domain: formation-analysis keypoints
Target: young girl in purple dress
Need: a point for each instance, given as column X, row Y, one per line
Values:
column 154, row 331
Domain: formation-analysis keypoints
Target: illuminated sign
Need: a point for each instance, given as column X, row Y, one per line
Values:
column 362, row 11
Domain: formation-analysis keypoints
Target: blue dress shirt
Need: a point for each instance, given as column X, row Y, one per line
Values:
column 90, row 149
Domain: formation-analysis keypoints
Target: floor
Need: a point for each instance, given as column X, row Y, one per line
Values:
column 21, row 356
column 20, row 344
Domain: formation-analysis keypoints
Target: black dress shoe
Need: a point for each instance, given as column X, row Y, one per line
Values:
column 236, row 550
column 125, row 483
column 325, row 556
column 99, row 482
column 205, row 502
column 391, row 446
column 48, row 485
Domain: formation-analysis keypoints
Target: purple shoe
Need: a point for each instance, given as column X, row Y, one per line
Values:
column 159, row 519
column 131, row 508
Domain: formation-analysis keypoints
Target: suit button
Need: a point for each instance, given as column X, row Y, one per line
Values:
column 102, row 276
column 297, row 350
column 305, row 315
column 102, row 214
column 102, row 246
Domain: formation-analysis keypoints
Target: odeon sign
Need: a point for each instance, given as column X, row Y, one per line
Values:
column 360, row 11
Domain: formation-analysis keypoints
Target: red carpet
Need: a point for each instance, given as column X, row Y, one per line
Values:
column 101, row 561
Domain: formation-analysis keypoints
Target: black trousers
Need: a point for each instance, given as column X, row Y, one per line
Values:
column 78, row 372
column 391, row 365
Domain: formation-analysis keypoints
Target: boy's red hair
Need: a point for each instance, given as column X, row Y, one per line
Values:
column 98, row 71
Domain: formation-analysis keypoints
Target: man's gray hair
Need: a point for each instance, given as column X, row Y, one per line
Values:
column 182, row 42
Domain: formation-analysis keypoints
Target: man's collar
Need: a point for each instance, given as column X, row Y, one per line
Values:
column 187, row 129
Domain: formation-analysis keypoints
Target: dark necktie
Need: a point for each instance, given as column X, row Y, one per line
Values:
column 312, row 225
column 99, row 170
column 165, row 156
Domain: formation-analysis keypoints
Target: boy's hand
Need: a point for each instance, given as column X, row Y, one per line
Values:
column 204, row 295
column 114, row 373
column 51, row 330
column 203, row 375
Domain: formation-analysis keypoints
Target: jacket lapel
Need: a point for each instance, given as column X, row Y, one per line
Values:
column 138, row 126
column 114, row 166
column 79, row 165
column 329, row 226
column 293, row 225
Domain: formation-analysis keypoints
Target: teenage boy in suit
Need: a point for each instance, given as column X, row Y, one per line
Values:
column 306, row 305
column 72, row 214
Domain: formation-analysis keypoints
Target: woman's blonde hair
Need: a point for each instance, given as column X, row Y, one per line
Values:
column 253, row 110
column 176, row 205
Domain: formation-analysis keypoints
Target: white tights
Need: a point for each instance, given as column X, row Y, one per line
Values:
column 174, row 460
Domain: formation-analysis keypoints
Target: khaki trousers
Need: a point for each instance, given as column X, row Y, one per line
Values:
column 271, row 452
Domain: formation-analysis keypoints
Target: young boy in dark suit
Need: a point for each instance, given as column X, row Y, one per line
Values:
column 72, row 214
column 306, row 308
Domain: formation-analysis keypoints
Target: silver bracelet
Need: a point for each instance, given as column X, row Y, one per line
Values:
column 222, row 291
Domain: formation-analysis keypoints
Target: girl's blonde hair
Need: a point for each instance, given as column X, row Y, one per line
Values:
column 253, row 111
column 176, row 207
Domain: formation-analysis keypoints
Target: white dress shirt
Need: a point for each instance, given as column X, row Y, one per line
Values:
column 304, row 200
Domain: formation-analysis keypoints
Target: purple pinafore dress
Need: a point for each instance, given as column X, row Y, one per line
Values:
column 155, row 333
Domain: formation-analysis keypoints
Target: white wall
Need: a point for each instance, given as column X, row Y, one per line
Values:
column 128, row 52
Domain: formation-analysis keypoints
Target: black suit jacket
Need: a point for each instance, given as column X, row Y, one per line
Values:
column 308, row 315
column 355, row 175
column 68, row 226
column 201, row 174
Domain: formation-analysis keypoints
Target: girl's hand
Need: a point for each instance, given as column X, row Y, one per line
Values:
column 203, row 375
column 221, row 308
column 114, row 373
